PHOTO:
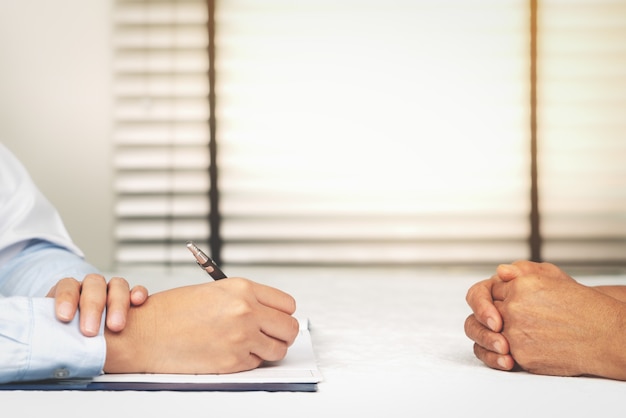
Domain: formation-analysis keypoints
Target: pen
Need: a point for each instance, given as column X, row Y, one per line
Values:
column 205, row 262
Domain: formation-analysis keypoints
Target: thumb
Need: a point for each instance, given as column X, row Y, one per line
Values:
column 508, row 272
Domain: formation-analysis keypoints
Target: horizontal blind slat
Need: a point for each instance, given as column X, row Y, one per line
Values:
column 159, row 133
column 430, row 253
column 162, row 206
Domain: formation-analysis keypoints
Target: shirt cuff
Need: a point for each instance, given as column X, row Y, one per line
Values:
column 59, row 350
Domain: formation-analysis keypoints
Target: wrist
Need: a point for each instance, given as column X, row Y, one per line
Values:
column 611, row 359
column 125, row 350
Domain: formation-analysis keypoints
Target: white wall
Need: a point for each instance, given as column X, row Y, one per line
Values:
column 55, row 109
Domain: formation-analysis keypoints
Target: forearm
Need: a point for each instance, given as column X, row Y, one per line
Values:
column 611, row 343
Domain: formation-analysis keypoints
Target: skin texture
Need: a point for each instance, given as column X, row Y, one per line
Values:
column 536, row 317
column 90, row 298
column 224, row 326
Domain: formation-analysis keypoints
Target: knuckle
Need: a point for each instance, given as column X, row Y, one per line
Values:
column 94, row 280
column 249, row 362
column 467, row 326
column 241, row 308
column 240, row 283
column 229, row 364
column 482, row 354
column 237, row 362
column 292, row 304
column 118, row 281
column 68, row 286
column 483, row 336
column 478, row 351
column 478, row 333
column 279, row 350
column 549, row 268
column 276, row 350
column 487, row 357
column 471, row 294
column 295, row 327
column 70, row 281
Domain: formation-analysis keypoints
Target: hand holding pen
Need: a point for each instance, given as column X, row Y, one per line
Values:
column 225, row 326
column 205, row 262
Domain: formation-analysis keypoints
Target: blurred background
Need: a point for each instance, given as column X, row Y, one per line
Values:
column 410, row 133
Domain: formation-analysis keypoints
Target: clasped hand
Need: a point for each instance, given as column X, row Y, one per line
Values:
column 536, row 317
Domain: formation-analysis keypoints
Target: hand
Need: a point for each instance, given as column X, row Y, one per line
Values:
column 91, row 296
column 557, row 326
column 224, row 326
column 484, row 326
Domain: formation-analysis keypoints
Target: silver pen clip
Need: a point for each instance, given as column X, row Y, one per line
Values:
column 205, row 262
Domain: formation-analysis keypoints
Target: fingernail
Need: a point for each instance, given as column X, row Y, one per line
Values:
column 65, row 311
column 502, row 363
column 91, row 325
column 491, row 323
column 116, row 319
column 497, row 347
column 506, row 268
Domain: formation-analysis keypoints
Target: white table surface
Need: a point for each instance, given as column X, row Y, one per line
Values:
column 388, row 343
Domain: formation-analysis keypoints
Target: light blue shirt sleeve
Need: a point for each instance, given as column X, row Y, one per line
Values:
column 34, row 344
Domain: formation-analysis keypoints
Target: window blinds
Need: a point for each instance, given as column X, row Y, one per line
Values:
column 161, row 129
column 373, row 132
column 582, row 130
column 360, row 132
